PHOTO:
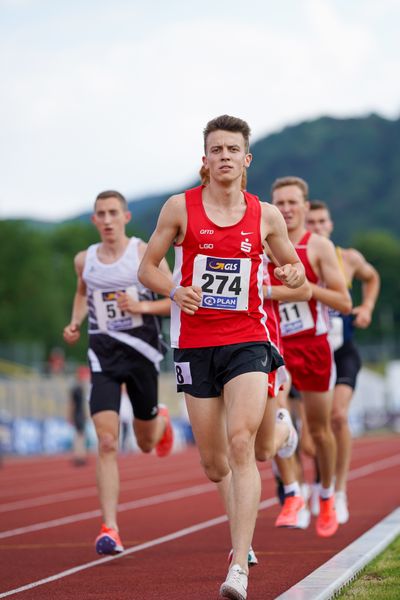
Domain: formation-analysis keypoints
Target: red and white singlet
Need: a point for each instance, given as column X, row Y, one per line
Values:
column 226, row 262
column 305, row 318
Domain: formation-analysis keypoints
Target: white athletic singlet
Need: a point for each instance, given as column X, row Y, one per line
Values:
column 103, row 281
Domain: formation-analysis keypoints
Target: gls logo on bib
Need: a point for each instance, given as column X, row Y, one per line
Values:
column 222, row 265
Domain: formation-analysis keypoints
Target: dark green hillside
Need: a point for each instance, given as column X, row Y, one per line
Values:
column 352, row 164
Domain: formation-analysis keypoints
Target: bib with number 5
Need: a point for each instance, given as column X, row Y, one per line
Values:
column 109, row 315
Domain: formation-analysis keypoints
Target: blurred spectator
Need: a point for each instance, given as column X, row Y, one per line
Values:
column 78, row 410
column 56, row 362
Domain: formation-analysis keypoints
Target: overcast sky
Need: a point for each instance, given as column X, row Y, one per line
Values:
column 98, row 94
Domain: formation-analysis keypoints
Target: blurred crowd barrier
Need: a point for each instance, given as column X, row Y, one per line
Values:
column 34, row 415
column 34, row 411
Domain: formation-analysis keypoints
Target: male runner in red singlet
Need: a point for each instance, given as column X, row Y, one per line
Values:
column 347, row 358
column 270, row 440
column 304, row 328
column 218, row 327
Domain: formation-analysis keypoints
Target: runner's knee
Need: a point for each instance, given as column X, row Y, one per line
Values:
column 146, row 443
column 264, row 450
column 320, row 434
column 241, row 450
column 108, row 443
column 339, row 420
column 215, row 469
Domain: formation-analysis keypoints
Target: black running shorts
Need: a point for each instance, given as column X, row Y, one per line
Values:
column 203, row 372
column 113, row 363
column 348, row 364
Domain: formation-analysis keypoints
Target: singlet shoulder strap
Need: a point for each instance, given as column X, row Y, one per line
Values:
column 304, row 239
column 194, row 195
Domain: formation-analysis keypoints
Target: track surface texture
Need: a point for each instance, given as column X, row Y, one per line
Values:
column 172, row 525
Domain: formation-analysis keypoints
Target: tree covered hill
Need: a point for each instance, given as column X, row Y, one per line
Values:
column 352, row 164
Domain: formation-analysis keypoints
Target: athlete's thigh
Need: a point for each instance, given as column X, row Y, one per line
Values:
column 142, row 387
column 106, row 422
column 245, row 398
column 207, row 418
column 105, row 393
column 265, row 433
column 318, row 408
column 341, row 400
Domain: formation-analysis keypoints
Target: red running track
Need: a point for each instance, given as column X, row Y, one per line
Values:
column 172, row 526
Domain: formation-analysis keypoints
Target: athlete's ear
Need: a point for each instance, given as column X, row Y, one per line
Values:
column 247, row 159
column 128, row 216
column 204, row 161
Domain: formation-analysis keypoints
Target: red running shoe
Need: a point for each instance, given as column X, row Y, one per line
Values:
column 327, row 523
column 289, row 515
column 108, row 541
column 164, row 446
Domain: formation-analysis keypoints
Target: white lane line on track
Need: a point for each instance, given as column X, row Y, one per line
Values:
column 151, row 543
column 143, row 502
column 140, row 474
column 357, row 473
column 175, row 495
column 134, row 504
column 91, row 491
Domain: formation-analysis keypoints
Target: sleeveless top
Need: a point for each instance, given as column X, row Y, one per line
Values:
column 341, row 328
column 226, row 263
column 103, row 281
column 305, row 318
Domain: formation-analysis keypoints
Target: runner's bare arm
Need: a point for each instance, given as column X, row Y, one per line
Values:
column 161, row 307
column 369, row 276
column 71, row 332
column 171, row 226
column 334, row 293
column 286, row 294
column 281, row 292
column 274, row 231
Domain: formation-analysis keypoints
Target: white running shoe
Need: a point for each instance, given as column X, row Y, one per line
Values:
column 235, row 585
column 314, row 499
column 342, row 511
column 291, row 443
column 303, row 518
column 252, row 559
column 305, row 489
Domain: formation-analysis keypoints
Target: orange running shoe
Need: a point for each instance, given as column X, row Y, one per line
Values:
column 108, row 541
column 288, row 517
column 327, row 523
column 164, row 446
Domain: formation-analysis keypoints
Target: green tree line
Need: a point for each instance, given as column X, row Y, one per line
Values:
column 37, row 284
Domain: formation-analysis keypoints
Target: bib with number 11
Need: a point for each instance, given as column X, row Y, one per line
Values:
column 224, row 281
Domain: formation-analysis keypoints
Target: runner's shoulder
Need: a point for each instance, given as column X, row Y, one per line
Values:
column 79, row 260
column 321, row 244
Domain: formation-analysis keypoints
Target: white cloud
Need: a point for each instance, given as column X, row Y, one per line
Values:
column 123, row 107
